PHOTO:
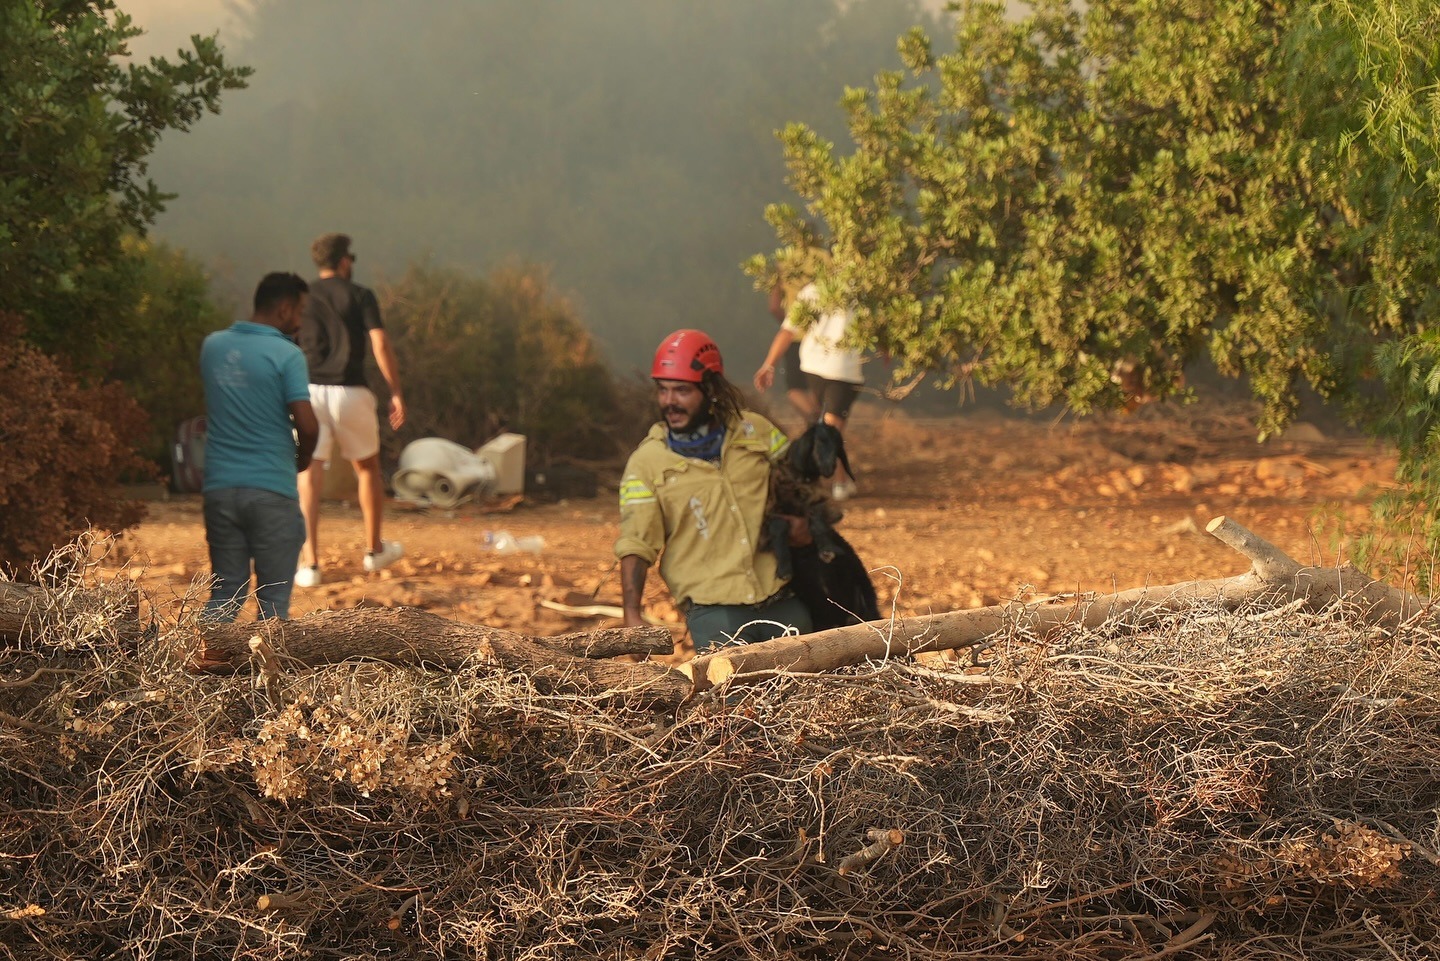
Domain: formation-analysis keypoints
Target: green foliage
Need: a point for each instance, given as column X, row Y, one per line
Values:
column 64, row 446
column 154, row 346
column 78, row 123
column 1081, row 202
column 481, row 356
column 1365, row 82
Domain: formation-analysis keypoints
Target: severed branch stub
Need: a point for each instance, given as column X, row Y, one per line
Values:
column 1283, row 580
column 285, row 901
column 1268, row 561
column 270, row 669
column 395, row 918
column 881, row 841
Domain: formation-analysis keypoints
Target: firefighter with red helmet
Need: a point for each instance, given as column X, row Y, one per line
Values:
column 694, row 497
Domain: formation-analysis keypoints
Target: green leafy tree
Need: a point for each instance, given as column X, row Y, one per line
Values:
column 78, row 123
column 1366, row 81
column 1081, row 202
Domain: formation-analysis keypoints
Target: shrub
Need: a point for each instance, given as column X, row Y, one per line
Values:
column 155, row 349
column 65, row 447
column 478, row 356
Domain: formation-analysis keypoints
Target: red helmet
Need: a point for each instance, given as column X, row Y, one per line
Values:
column 686, row 355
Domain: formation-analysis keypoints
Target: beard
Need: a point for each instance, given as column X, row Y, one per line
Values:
column 693, row 423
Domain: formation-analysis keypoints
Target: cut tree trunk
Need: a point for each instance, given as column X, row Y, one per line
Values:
column 612, row 642
column 1274, row 579
column 413, row 637
column 29, row 611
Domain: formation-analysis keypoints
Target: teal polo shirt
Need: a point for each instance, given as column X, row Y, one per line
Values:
column 252, row 374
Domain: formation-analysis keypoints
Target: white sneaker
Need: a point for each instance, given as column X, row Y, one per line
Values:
column 307, row 577
column 389, row 553
column 843, row 490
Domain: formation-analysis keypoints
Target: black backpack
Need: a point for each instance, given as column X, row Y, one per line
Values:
column 325, row 339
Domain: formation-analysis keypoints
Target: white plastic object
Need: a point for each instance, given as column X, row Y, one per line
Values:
column 441, row 473
column 506, row 454
column 503, row 542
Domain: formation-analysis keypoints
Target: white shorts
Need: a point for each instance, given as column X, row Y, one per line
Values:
column 347, row 416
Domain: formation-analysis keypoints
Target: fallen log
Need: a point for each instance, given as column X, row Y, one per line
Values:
column 27, row 611
column 1273, row 578
column 406, row 636
column 612, row 642
column 412, row 637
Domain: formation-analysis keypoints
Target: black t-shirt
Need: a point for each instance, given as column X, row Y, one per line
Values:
column 335, row 331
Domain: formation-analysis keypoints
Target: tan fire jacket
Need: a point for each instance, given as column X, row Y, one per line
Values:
column 703, row 520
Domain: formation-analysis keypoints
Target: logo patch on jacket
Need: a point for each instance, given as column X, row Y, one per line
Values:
column 702, row 526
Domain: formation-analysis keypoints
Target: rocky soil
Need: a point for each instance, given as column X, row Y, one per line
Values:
column 954, row 512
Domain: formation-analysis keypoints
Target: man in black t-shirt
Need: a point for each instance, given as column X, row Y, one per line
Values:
column 340, row 328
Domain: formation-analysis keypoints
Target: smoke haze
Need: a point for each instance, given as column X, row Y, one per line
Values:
column 627, row 146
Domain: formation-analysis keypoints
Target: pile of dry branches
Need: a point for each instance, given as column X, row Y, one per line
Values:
column 1262, row 784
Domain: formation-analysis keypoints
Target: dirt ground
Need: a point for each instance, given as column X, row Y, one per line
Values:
column 954, row 512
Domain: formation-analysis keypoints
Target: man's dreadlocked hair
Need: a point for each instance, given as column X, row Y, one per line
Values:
column 726, row 401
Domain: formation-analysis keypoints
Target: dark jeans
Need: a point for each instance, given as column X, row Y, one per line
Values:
column 245, row 524
column 712, row 623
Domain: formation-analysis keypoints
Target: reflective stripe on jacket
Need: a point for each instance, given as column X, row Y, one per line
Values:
column 703, row 520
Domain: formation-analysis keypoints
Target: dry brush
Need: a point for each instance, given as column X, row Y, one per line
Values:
column 1258, row 782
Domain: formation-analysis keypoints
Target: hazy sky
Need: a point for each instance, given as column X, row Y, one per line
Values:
column 168, row 24
column 627, row 148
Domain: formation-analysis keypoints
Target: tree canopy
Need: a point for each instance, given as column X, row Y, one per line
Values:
column 78, row 122
column 1082, row 201
column 96, row 303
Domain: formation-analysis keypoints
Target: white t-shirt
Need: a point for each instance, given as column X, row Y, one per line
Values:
column 820, row 350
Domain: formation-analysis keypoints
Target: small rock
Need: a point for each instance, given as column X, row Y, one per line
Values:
column 1185, row 525
column 1302, row 432
column 1182, row 479
column 1278, row 469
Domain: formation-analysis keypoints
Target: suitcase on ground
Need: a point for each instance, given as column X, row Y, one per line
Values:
column 187, row 457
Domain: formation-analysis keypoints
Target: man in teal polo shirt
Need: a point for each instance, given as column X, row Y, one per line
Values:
column 260, row 430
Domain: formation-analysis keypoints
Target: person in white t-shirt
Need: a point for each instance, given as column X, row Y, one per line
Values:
column 834, row 371
column 782, row 296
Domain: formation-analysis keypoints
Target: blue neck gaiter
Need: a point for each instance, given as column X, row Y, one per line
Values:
column 704, row 444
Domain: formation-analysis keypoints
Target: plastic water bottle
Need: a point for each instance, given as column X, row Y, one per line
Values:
column 503, row 542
